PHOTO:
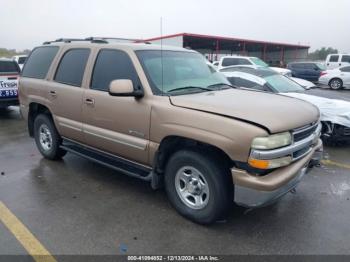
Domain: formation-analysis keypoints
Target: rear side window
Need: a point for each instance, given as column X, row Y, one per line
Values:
column 72, row 67
column 297, row 66
column 345, row 69
column 111, row 65
column 309, row 66
column 345, row 58
column 235, row 61
column 8, row 67
column 334, row 58
column 39, row 62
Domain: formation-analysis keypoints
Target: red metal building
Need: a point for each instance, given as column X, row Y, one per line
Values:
column 213, row 47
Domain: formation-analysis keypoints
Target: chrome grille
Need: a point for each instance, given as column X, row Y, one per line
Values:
column 304, row 132
column 347, row 131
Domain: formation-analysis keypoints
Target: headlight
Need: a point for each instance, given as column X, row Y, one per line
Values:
column 273, row 141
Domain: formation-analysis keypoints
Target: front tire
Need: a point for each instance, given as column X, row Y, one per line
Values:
column 336, row 84
column 47, row 138
column 198, row 186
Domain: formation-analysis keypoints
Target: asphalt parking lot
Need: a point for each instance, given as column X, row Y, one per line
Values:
column 75, row 206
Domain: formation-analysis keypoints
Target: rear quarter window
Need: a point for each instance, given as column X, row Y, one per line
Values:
column 8, row 67
column 39, row 62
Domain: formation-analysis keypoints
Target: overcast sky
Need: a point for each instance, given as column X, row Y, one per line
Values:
column 27, row 23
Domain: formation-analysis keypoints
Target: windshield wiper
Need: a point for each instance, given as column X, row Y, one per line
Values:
column 221, row 84
column 189, row 87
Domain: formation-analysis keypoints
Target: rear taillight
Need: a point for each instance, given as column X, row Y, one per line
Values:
column 323, row 73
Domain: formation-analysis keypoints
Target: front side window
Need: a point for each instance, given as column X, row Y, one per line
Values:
column 179, row 72
column 72, row 67
column 39, row 62
column 112, row 65
column 346, row 58
column 334, row 58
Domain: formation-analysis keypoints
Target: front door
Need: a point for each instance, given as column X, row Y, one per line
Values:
column 117, row 125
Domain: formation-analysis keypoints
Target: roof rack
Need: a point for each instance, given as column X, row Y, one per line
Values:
column 69, row 40
column 99, row 40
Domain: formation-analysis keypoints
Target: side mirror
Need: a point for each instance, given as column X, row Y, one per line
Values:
column 124, row 87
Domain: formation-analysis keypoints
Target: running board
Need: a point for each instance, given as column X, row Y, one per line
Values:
column 117, row 163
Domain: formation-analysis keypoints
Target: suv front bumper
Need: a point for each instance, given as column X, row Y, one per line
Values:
column 256, row 191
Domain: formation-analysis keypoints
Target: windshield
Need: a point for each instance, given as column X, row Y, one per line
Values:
column 258, row 62
column 282, row 84
column 183, row 72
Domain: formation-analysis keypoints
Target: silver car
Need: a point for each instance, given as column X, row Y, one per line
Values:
column 337, row 78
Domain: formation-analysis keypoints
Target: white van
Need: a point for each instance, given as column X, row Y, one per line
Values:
column 337, row 60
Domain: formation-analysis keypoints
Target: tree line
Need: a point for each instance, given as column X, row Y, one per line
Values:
column 4, row 52
column 321, row 54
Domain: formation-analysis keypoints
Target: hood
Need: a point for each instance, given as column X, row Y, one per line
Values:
column 274, row 112
column 333, row 110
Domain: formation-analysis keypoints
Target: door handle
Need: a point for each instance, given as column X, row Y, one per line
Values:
column 89, row 101
column 53, row 93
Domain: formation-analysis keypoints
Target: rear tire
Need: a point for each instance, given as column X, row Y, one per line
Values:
column 198, row 186
column 47, row 138
column 336, row 84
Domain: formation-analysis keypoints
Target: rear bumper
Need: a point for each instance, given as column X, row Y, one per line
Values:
column 256, row 191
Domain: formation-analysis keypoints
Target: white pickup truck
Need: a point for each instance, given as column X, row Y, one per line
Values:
column 9, row 74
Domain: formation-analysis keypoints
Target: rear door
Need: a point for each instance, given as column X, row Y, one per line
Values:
column 9, row 72
column 333, row 61
column 65, row 92
column 298, row 70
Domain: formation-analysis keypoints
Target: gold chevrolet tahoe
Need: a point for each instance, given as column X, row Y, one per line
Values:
column 162, row 115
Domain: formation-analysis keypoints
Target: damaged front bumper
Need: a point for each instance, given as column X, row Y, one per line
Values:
column 256, row 191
